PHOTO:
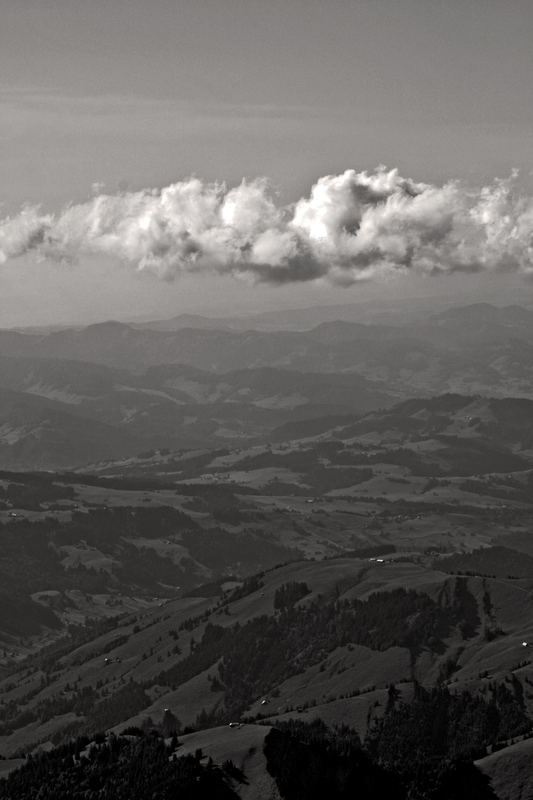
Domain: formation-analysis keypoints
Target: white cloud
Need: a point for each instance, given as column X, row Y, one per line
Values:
column 353, row 226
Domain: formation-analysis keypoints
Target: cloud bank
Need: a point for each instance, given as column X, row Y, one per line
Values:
column 353, row 226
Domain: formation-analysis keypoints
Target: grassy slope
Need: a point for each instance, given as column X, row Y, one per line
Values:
column 148, row 651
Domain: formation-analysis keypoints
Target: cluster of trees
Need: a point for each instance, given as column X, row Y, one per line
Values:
column 125, row 702
column 104, row 527
column 256, row 657
column 32, row 491
column 309, row 463
column 422, row 750
column 116, row 768
column 97, row 710
column 150, row 572
column 249, row 586
column 218, row 549
column 30, row 559
column 289, row 594
column 310, row 761
column 423, row 741
column 496, row 562
column 123, row 482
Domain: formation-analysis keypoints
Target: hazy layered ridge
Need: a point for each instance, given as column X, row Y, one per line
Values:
column 448, row 473
column 137, row 388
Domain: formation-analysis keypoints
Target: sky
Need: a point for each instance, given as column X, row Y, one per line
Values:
column 118, row 95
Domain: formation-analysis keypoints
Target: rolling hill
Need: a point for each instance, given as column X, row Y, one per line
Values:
column 53, row 409
column 40, row 433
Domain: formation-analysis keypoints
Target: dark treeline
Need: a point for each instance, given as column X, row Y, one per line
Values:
column 265, row 651
column 426, row 741
column 116, row 768
column 310, row 761
column 404, row 757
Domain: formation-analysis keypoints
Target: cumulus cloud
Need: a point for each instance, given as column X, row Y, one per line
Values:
column 353, row 226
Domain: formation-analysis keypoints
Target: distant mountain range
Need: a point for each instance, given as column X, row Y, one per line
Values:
column 111, row 389
column 403, row 310
column 331, row 346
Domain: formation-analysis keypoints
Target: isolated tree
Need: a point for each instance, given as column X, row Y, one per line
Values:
column 170, row 724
